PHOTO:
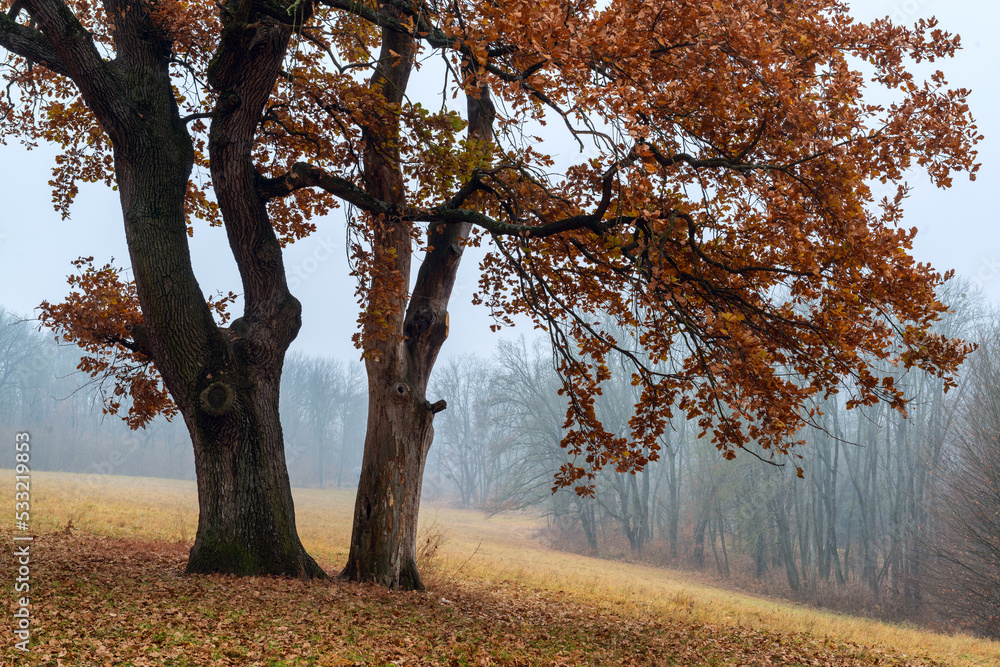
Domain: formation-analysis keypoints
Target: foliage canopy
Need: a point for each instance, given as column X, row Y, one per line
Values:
column 716, row 207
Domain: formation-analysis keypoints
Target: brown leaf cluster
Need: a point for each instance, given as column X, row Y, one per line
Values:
column 102, row 316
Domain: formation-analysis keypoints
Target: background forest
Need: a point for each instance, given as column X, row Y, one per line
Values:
column 894, row 516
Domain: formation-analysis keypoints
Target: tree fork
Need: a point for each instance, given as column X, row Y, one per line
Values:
column 400, row 418
column 225, row 383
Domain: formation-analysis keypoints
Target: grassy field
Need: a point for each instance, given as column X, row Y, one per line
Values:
column 110, row 592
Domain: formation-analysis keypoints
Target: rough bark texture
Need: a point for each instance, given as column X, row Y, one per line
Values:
column 246, row 523
column 383, row 543
column 225, row 381
column 247, row 519
column 400, row 429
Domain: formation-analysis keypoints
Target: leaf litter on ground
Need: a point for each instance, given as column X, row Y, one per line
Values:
column 109, row 601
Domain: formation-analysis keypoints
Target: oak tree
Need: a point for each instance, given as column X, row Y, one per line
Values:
column 722, row 202
column 103, row 81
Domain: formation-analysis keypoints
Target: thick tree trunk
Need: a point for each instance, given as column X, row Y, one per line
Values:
column 399, row 361
column 384, row 540
column 224, row 382
column 226, row 386
column 246, row 523
column 400, row 431
column 247, row 520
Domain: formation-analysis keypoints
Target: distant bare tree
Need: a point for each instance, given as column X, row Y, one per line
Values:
column 323, row 413
column 968, row 570
column 21, row 361
column 472, row 435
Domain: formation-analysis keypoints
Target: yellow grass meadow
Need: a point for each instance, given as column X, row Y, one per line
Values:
column 491, row 550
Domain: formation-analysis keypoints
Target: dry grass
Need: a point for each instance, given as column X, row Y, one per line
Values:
column 494, row 553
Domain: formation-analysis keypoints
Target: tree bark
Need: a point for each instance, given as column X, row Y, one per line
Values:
column 400, row 430
column 246, row 522
column 225, row 382
column 247, row 519
column 383, row 542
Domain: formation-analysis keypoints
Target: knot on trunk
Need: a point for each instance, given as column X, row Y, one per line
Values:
column 217, row 398
column 419, row 322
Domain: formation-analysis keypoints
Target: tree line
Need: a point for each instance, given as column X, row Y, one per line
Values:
column 43, row 391
column 893, row 515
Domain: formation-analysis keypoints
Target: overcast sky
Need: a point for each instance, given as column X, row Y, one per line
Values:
column 957, row 226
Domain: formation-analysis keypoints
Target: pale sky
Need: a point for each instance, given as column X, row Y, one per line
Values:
column 957, row 227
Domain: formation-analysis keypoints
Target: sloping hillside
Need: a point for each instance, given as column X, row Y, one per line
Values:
column 109, row 591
